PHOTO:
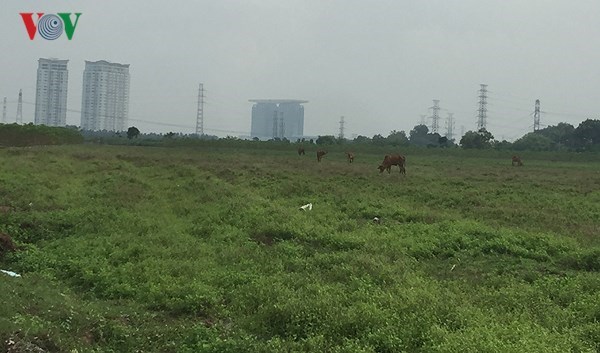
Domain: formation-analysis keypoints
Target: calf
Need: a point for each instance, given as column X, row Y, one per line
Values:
column 350, row 156
column 301, row 151
column 320, row 154
column 516, row 160
column 390, row 160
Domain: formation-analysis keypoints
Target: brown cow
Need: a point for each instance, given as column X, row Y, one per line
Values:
column 390, row 160
column 320, row 154
column 350, row 156
column 517, row 160
column 301, row 151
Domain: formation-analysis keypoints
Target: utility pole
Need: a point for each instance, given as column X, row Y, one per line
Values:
column 4, row 111
column 536, row 116
column 482, row 110
column 200, row 114
column 20, row 108
column 435, row 118
column 450, row 126
column 341, row 128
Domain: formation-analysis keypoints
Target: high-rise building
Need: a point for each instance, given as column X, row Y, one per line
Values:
column 51, row 92
column 105, row 99
column 277, row 118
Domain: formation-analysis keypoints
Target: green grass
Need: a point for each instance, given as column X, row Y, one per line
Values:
column 204, row 250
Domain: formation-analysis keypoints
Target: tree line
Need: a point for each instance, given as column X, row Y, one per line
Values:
column 563, row 136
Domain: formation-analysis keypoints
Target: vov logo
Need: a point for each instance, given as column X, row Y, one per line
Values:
column 50, row 26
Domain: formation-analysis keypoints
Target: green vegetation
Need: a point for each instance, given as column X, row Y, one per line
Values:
column 204, row 249
column 31, row 135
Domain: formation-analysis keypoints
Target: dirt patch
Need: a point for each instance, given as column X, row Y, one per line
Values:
column 6, row 244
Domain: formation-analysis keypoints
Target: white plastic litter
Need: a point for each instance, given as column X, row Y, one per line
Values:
column 10, row 273
column 376, row 220
column 307, row 206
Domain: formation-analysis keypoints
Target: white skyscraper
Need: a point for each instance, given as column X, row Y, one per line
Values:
column 51, row 92
column 105, row 100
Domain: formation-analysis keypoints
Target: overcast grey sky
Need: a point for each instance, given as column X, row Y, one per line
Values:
column 378, row 63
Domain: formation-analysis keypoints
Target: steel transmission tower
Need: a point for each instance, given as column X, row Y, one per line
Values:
column 20, row 108
column 435, row 118
column 200, row 114
column 275, row 134
column 281, row 126
column 482, row 110
column 450, row 126
column 341, row 128
column 422, row 121
column 536, row 116
column 4, row 111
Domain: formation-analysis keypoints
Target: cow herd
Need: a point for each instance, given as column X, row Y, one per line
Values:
column 389, row 160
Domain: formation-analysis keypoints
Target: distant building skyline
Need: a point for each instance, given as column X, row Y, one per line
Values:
column 105, row 96
column 277, row 118
column 51, row 92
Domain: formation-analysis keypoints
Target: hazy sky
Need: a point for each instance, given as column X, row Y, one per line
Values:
column 378, row 63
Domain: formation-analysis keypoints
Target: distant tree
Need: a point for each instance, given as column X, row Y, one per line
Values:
column 362, row 139
column 420, row 136
column 587, row 134
column 255, row 139
column 480, row 139
column 326, row 140
column 397, row 138
column 503, row 145
column 533, row 141
column 378, row 140
column 132, row 132
column 169, row 135
column 561, row 134
column 418, row 132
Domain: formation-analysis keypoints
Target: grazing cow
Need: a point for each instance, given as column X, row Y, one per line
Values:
column 320, row 154
column 350, row 156
column 6, row 244
column 390, row 160
column 301, row 151
column 516, row 160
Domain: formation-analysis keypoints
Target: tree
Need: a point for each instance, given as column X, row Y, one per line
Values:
column 132, row 132
column 533, row 141
column 397, row 138
column 378, row 140
column 362, row 139
column 325, row 140
column 561, row 134
column 418, row 132
column 480, row 139
column 587, row 134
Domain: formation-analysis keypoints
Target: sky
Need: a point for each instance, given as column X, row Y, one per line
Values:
column 378, row 63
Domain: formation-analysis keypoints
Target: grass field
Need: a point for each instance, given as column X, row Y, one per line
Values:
column 148, row 249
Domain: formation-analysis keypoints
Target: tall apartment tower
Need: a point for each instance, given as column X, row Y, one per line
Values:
column 105, row 98
column 51, row 92
column 277, row 118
